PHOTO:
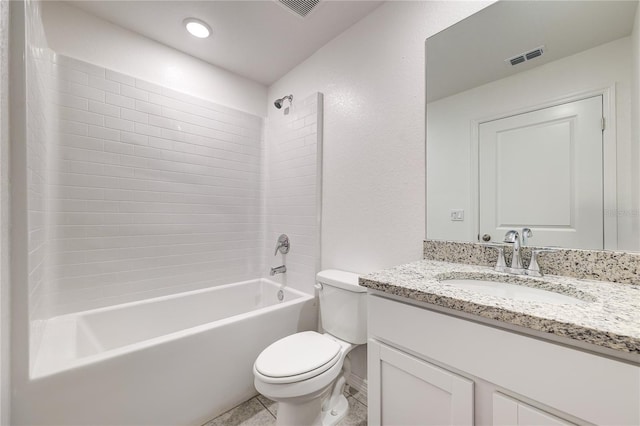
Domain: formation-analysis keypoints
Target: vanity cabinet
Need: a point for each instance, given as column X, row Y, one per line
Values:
column 429, row 367
column 416, row 392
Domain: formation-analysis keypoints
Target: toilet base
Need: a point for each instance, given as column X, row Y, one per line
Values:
column 310, row 413
column 301, row 413
column 335, row 414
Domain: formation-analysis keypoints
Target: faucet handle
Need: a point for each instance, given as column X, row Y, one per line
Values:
column 282, row 245
column 501, row 264
column 526, row 234
column 511, row 236
column 534, row 267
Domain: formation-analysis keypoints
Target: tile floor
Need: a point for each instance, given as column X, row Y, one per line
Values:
column 260, row 411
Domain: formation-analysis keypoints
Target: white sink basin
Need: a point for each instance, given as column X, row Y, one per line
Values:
column 513, row 291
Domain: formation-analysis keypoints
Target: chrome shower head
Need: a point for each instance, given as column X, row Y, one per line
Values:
column 278, row 102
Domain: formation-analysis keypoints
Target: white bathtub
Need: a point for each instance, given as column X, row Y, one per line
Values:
column 173, row 360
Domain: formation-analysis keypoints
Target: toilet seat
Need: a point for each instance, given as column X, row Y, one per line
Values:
column 297, row 357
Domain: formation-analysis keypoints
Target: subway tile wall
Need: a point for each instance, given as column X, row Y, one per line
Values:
column 293, row 189
column 157, row 192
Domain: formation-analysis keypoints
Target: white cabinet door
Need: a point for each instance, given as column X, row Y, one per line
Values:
column 544, row 170
column 404, row 390
column 511, row 412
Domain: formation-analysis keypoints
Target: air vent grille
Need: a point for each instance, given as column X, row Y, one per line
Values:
column 534, row 54
column 517, row 60
column 526, row 56
column 300, row 7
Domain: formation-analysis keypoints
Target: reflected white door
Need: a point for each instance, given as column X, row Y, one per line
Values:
column 544, row 170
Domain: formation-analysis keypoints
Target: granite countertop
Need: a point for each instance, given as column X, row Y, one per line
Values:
column 609, row 315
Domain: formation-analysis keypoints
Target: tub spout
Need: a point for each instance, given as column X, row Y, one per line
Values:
column 278, row 270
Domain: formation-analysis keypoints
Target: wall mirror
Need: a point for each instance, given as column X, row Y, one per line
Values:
column 530, row 124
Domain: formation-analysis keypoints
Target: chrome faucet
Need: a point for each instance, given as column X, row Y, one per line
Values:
column 283, row 246
column 513, row 237
column 278, row 270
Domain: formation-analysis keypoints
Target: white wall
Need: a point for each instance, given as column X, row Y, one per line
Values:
column 372, row 78
column 75, row 33
column 373, row 82
column 292, row 149
column 449, row 131
column 157, row 192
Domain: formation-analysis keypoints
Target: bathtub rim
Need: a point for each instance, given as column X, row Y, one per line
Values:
column 37, row 372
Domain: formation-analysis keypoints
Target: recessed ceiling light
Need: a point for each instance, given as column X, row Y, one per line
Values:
column 197, row 28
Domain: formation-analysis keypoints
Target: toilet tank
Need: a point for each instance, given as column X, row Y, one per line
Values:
column 343, row 305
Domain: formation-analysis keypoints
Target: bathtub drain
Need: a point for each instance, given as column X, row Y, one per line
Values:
column 280, row 295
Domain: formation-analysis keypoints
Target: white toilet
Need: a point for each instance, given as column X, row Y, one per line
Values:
column 306, row 372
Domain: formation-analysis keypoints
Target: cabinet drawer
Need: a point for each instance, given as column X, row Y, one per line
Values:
column 584, row 385
column 511, row 412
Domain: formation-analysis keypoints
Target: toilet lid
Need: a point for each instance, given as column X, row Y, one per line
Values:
column 298, row 354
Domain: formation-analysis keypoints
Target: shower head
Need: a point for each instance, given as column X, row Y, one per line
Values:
column 278, row 103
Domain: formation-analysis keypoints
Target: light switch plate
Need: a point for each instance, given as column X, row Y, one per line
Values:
column 457, row 215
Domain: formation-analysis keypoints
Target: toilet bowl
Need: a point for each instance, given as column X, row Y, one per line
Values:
column 306, row 372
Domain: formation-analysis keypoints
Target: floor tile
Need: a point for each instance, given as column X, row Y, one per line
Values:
column 357, row 415
column 270, row 405
column 356, row 394
column 249, row 413
column 260, row 411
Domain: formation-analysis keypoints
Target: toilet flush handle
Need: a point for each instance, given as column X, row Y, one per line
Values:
column 318, row 286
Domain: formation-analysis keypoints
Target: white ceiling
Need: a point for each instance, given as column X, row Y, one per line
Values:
column 260, row 40
column 472, row 52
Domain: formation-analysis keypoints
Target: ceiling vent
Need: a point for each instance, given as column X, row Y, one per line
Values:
column 300, row 7
column 527, row 56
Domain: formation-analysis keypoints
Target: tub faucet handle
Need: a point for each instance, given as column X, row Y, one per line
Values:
column 282, row 245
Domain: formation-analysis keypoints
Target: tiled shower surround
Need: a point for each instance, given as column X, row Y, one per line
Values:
column 158, row 192
column 292, row 190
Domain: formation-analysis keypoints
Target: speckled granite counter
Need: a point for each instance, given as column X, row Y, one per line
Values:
column 609, row 315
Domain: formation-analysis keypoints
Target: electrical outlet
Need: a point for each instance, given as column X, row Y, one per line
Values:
column 457, row 215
